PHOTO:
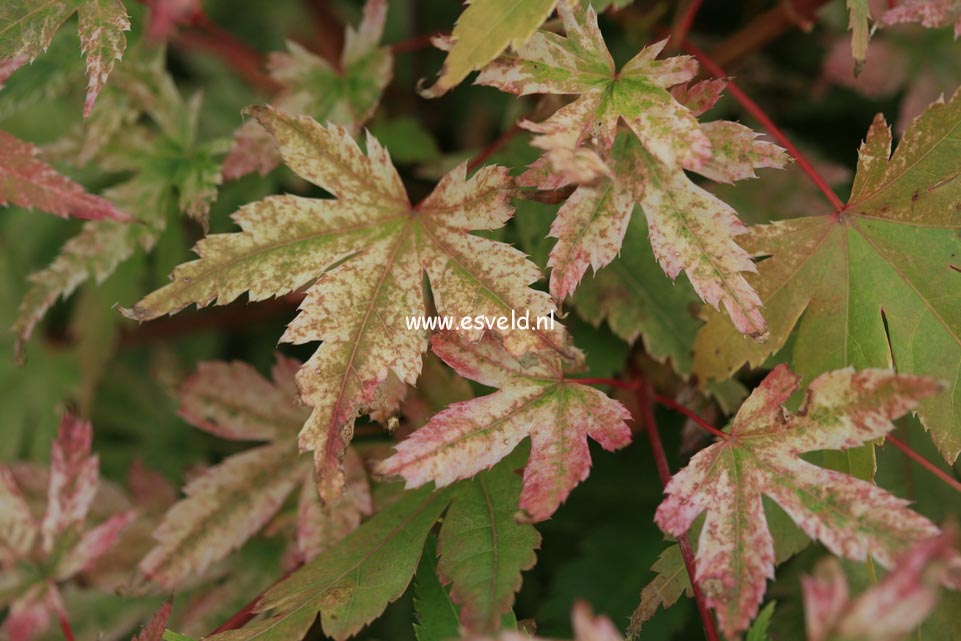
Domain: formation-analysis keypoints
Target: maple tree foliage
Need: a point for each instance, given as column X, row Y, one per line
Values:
column 388, row 244
column 40, row 551
column 842, row 409
column 889, row 611
column 690, row 229
column 761, row 369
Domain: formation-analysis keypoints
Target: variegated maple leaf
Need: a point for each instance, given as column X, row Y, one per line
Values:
column 894, row 295
column 930, row 13
column 232, row 501
column 586, row 626
column 143, row 123
column 534, row 401
column 346, row 94
column 365, row 252
column 761, row 457
column 888, row 611
column 38, row 553
column 26, row 181
column 28, row 26
column 690, row 229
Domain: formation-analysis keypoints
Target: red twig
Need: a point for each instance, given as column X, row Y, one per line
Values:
column 495, row 146
column 65, row 627
column 683, row 25
column 923, row 462
column 755, row 111
column 204, row 34
column 644, row 398
column 243, row 616
column 677, row 407
column 415, row 44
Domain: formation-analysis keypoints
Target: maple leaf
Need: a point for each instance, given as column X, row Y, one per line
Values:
column 346, row 94
column 851, row 517
column 28, row 182
column 157, row 188
column 483, row 32
column 29, row 26
column 38, row 555
column 534, row 400
column 892, row 296
column 365, row 252
column 889, row 610
column 379, row 560
column 232, row 501
column 690, row 230
column 930, row 13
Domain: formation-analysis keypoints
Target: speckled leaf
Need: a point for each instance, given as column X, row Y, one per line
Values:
column 535, row 401
column 690, row 229
column 28, row 26
column 484, row 31
column 28, row 182
column 930, row 13
column 224, row 507
column 37, row 556
column 888, row 611
column 852, row 518
column 156, row 189
column 346, row 96
column 235, row 499
column 101, row 24
column 895, row 295
column 365, row 251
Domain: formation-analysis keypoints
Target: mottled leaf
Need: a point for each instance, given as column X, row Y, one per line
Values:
column 690, row 230
column 345, row 95
column 28, row 182
column 232, row 501
column 535, row 401
column 852, row 518
column 365, row 252
column 28, row 26
column 930, row 13
column 888, row 611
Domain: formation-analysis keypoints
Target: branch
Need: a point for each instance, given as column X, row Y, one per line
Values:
column 684, row 21
column 65, row 627
column 644, row 398
column 755, row 110
column 495, row 146
column 923, row 462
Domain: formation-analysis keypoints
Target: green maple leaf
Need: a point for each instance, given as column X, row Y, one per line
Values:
column 482, row 552
column 27, row 28
column 483, row 32
column 875, row 285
